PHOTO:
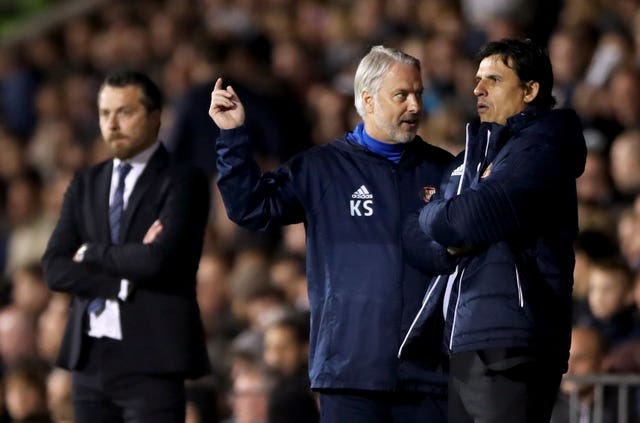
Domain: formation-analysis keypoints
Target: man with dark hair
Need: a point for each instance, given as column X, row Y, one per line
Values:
column 509, row 212
column 150, row 95
column 276, row 119
column 286, row 344
column 286, row 351
column 127, row 247
column 578, row 400
column 352, row 195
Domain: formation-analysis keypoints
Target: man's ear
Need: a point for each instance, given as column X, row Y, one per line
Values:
column 367, row 101
column 156, row 115
column 531, row 89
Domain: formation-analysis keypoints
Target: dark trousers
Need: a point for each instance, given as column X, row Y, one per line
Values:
column 102, row 394
column 348, row 406
column 515, row 391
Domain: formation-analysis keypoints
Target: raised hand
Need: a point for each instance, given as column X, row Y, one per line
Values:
column 226, row 110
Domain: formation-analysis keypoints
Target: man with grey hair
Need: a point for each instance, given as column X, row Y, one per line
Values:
column 353, row 195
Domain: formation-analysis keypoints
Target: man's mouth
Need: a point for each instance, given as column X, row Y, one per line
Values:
column 410, row 121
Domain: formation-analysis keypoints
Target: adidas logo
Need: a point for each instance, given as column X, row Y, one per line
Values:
column 362, row 193
column 361, row 203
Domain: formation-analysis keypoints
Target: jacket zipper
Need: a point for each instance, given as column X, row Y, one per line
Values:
column 484, row 159
column 425, row 300
column 455, row 311
column 464, row 161
column 395, row 172
column 519, row 286
column 520, row 297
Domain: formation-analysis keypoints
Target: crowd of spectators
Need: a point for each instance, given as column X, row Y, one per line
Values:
column 292, row 64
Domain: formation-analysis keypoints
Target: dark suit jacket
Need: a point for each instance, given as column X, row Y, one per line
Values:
column 161, row 326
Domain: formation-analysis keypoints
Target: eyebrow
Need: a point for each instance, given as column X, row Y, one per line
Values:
column 494, row 76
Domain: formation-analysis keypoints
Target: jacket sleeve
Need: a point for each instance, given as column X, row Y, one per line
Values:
column 61, row 273
column 176, row 251
column 518, row 196
column 422, row 252
column 253, row 199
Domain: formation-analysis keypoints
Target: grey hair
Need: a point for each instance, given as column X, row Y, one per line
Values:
column 373, row 67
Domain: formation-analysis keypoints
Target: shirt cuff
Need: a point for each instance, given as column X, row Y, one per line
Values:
column 124, row 289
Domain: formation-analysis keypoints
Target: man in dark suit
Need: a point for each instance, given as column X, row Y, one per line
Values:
column 127, row 246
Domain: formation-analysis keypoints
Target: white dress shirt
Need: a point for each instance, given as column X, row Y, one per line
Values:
column 107, row 323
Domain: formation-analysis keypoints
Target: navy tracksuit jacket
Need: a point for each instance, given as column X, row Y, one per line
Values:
column 363, row 294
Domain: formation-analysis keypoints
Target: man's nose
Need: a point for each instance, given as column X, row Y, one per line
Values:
column 479, row 89
column 112, row 121
column 415, row 103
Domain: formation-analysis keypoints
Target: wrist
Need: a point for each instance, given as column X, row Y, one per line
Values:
column 79, row 255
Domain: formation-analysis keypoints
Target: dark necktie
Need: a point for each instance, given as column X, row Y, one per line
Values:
column 115, row 216
column 117, row 205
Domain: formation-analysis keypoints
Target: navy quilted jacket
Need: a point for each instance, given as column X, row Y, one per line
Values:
column 510, row 203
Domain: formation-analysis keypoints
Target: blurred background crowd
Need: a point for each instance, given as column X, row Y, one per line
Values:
column 292, row 64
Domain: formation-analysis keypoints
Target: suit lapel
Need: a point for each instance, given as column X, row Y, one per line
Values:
column 103, row 188
column 149, row 177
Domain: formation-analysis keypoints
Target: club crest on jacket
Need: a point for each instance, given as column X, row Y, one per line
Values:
column 427, row 193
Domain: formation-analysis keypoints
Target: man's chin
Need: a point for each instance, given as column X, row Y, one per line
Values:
column 118, row 152
column 403, row 139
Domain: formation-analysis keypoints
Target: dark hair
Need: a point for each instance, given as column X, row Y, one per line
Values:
column 529, row 61
column 151, row 94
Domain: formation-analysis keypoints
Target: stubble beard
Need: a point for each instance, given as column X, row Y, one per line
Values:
column 395, row 133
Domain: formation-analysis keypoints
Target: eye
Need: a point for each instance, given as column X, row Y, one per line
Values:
column 401, row 95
